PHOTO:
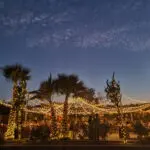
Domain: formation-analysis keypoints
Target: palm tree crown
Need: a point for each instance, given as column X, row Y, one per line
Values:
column 46, row 89
column 68, row 84
column 11, row 72
column 15, row 72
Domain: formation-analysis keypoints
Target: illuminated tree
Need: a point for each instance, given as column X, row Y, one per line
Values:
column 15, row 73
column 46, row 91
column 113, row 94
column 12, row 73
column 67, row 85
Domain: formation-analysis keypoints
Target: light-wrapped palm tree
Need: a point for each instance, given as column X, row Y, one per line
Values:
column 67, row 85
column 46, row 91
column 12, row 73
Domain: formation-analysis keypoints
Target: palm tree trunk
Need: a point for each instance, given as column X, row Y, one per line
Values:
column 12, row 116
column 19, row 123
column 65, row 117
column 54, row 121
column 20, row 109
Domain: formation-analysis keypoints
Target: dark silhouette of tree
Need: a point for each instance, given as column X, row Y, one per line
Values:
column 67, row 85
column 104, row 129
column 88, row 94
column 113, row 93
column 140, row 130
column 46, row 91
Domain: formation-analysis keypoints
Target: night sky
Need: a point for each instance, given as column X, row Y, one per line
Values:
column 91, row 38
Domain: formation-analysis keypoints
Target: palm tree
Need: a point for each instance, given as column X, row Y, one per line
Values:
column 46, row 91
column 67, row 85
column 12, row 73
column 15, row 73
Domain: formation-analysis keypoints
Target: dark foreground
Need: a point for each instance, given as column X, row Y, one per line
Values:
column 75, row 147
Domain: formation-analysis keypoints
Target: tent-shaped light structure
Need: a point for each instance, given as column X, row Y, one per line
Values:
column 78, row 106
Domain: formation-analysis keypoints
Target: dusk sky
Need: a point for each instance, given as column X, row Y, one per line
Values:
column 91, row 38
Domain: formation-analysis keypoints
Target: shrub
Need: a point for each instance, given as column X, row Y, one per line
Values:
column 1, row 138
column 140, row 130
column 65, row 139
column 41, row 133
column 104, row 129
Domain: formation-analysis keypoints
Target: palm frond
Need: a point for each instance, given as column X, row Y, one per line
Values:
column 15, row 72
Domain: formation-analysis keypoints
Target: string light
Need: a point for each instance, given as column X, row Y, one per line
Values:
column 76, row 106
column 11, row 125
column 85, row 108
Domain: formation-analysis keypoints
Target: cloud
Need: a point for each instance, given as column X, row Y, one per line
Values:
column 130, row 37
column 105, row 39
column 136, row 4
column 66, row 24
column 134, row 37
column 128, row 5
column 56, row 38
column 26, row 20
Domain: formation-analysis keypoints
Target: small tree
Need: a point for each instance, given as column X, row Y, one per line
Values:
column 104, row 129
column 113, row 94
